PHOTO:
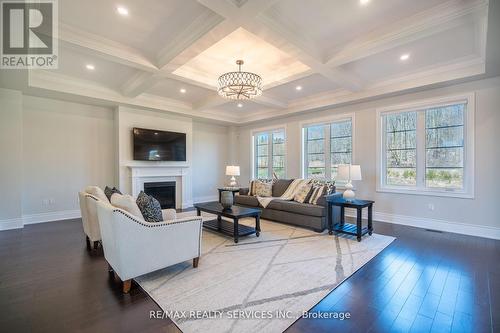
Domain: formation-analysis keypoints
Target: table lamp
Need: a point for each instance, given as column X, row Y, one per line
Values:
column 349, row 173
column 233, row 170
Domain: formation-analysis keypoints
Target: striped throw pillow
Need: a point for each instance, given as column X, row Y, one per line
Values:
column 317, row 192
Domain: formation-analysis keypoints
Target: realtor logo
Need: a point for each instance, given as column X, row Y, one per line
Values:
column 29, row 34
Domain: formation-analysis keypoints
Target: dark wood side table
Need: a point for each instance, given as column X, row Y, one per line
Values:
column 346, row 228
column 228, row 189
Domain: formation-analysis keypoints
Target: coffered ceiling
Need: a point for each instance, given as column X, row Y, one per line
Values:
column 168, row 54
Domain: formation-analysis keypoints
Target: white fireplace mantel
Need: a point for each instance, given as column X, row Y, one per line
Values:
column 157, row 173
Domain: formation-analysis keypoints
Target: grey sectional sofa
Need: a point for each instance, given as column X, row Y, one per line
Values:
column 291, row 212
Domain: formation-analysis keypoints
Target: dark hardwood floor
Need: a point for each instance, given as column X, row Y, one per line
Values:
column 424, row 281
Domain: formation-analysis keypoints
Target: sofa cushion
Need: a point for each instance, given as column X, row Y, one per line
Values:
column 127, row 203
column 97, row 192
column 109, row 192
column 150, row 207
column 297, row 207
column 246, row 200
column 280, row 186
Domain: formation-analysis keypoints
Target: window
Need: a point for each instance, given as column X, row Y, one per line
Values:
column 269, row 154
column 428, row 148
column 326, row 146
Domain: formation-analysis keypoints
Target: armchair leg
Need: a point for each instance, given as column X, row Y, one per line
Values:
column 126, row 286
column 87, row 240
column 196, row 261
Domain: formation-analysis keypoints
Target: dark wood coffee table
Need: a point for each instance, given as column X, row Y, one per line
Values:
column 235, row 213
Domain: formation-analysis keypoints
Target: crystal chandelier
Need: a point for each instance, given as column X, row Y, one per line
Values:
column 239, row 85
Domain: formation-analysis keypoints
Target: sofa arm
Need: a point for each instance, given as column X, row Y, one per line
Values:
column 244, row 191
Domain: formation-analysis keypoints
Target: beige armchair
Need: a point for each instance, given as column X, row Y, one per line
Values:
column 88, row 199
column 133, row 247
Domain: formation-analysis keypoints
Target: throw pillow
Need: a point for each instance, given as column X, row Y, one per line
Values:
column 330, row 184
column 253, row 185
column 303, row 193
column 263, row 189
column 109, row 192
column 149, row 207
column 127, row 203
column 317, row 192
column 96, row 191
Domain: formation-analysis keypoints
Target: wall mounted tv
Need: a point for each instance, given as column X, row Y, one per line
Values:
column 154, row 145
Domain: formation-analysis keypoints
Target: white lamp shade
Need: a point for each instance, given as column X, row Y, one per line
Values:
column 232, row 170
column 349, row 172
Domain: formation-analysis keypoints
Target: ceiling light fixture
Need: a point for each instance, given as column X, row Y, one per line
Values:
column 122, row 10
column 90, row 67
column 298, row 88
column 239, row 105
column 182, row 90
column 364, row 2
column 404, row 57
column 239, row 85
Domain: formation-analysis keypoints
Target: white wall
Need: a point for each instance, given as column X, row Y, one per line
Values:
column 10, row 158
column 482, row 211
column 51, row 149
column 127, row 119
column 66, row 146
column 210, row 156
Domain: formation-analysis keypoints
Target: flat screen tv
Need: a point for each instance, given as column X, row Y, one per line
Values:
column 154, row 145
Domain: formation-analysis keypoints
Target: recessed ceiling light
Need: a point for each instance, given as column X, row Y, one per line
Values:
column 183, row 91
column 90, row 67
column 298, row 88
column 364, row 2
column 239, row 105
column 122, row 10
column 404, row 57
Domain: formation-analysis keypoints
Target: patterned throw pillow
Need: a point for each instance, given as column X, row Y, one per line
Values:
column 253, row 185
column 317, row 192
column 303, row 193
column 263, row 189
column 109, row 192
column 149, row 207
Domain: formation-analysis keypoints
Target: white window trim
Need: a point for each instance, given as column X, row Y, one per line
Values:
column 325, row 121
column 469, row 127
column 256, row 131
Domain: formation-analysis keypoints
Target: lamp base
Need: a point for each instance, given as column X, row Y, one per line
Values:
column 232, row 182
column 349, row 194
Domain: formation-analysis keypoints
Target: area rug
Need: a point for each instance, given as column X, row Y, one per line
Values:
column 261, row 284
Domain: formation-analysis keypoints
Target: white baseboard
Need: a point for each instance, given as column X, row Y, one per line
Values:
column 434, row 224
column 51, row 216
column 206, row 198
column 9, row 224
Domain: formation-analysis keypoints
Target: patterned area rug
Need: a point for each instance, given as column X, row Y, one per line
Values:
column 261, row 284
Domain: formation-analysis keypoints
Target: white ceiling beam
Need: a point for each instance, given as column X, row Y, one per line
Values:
column 270, row 101
column 210, row 102
column 298, row 47
column 429, row 22
column 139, row 83
column 92, row 44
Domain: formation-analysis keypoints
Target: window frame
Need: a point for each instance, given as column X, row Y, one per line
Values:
column 420, row 188
column 269, row 131
column 327, row 150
